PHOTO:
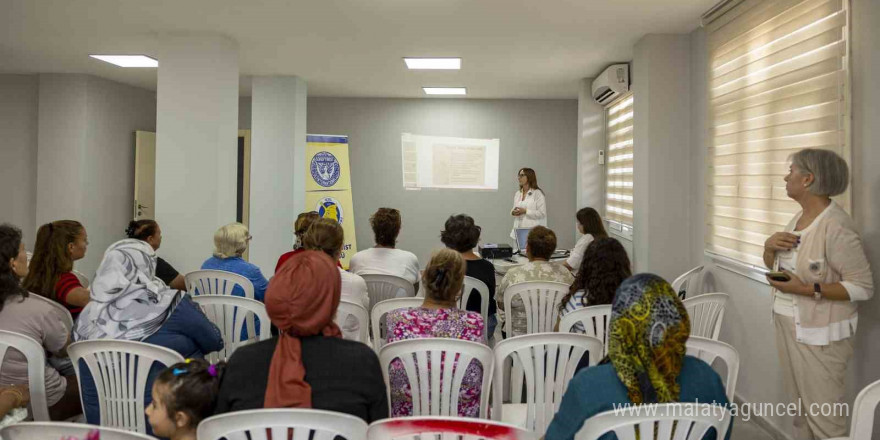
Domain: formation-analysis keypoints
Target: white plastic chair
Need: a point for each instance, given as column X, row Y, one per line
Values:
column 548, row 361
column 220, row 282
column 350, row 308
column 435, row 389
column 35, row 355
column 471, row 283
column 862, row 426
column 679, row 421
column 457, row 428
column 384, row 287
column 381, row 309
column 274, row 423
column 120, row 370
column 685, row 282
column 61, row 430
column 229, row 314
column 706, row 312
column 541, row 300
column 593, row 322
column 708, row 350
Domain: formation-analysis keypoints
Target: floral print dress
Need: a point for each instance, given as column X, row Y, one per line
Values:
column 419, row 322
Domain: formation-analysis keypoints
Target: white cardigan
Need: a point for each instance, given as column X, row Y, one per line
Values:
column 536, row 210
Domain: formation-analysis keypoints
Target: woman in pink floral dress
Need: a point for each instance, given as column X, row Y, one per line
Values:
column 438, row 317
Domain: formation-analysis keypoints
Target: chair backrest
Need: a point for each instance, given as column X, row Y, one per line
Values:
column 679, row 421
column 685, row 285
column 435, row 389
column 82, row 278
column 62, row 430
column 471, row 284
column 384, row 287
column 382, row 308
column 708, row 350
column 706, row 312
column 541, row 300
column 274, row 423
column 217, row 282
column 458, row 428
column 68, row 319
column 36, row 364
column 548, row 361
column 120, row 370
column 593, row 322
column 863, row 412
column 349, row 308
column 229, row 314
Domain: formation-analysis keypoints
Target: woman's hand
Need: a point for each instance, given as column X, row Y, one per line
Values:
column 781, row 241
column 794, row 285
column 518, row 212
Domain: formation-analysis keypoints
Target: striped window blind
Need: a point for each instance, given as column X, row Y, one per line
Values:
column 619, row 190
column 777, row 83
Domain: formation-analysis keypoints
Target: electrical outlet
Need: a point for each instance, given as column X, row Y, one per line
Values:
column 601, row 157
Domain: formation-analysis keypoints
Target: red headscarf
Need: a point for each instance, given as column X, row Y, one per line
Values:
column 301, row 301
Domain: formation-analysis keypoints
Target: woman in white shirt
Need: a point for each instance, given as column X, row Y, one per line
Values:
column 589, row 224
column 384, row 258
column 327, row 235
column 529, row 207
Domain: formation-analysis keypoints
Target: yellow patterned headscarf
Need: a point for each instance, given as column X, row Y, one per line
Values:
column 647, row 334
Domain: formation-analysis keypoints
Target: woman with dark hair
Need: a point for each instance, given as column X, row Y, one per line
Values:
column 646, row 361
column 150, row 232
column 58, row 245
column 385, row 258
column 589, row 224
column 37, row 318
column 529, row 206
column 605, row 265
column 461, row 234
column 300, row 226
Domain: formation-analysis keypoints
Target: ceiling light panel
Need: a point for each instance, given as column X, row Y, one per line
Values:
column 128, row 60
column 433, row 63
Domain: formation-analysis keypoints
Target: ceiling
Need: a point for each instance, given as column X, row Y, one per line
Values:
column 353, row 48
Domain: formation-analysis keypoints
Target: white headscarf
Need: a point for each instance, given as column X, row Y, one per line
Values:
column 127, row 300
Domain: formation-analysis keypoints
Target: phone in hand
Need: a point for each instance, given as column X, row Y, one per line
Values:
column 779, row 276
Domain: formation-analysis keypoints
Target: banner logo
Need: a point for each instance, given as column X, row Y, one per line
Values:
column 325, row 169
column 328, row 207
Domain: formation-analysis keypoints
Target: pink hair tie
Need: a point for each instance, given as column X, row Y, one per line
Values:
column 212, row 370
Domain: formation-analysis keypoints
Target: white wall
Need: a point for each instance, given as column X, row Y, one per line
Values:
column 590, row 179
column 18, row 152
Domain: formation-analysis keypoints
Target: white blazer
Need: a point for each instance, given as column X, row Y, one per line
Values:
column 536, row 210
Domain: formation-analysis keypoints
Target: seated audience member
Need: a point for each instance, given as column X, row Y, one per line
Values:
column 303, row 221
column 646, row 360
column 184, row 394
column 309, row 365
column 22, row 313
column 590, row 225
column 58, row 245
column 149, row 231
column 230, row 243
column 605, row 265
column 383, row 258
column 327, row 236
column 540, row 245
column 438, row 317
column 130, row 303
column 12, row 398
column 461, row 234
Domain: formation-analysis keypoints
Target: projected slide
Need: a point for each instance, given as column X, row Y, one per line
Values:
column 449, row 162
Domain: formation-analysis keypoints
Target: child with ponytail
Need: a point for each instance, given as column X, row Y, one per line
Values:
column 183, row 396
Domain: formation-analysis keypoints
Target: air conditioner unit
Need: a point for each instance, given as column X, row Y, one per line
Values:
column 611, row 83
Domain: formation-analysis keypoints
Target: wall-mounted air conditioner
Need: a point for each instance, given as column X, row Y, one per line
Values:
column 611, row 83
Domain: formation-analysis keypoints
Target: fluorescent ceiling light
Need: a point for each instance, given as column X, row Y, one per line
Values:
column 445, row 90
column 128, row 60
column 433, row 63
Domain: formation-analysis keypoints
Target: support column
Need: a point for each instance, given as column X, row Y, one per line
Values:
column 196, row 150
column 278, row 153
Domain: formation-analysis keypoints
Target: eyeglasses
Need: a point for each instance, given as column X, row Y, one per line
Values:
column 520, row 175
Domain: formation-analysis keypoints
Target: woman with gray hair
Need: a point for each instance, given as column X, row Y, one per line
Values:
column 820, row 272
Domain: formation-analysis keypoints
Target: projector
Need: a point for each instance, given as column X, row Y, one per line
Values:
column 496, row 251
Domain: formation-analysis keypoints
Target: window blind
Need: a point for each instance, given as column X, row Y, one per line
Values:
column 777, row 84
column 619, row 190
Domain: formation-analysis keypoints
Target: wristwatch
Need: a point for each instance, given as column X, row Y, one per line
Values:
column 817, row 291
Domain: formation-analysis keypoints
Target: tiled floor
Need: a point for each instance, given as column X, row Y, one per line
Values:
column 749, row 431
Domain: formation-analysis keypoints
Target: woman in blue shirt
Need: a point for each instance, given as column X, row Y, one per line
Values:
column 646, row 361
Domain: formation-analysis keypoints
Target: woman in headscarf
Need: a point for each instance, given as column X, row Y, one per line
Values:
column 646, row 360
column 308, row 365
column 129, row 302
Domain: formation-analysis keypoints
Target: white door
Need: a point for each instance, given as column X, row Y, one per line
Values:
column 144, row 174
